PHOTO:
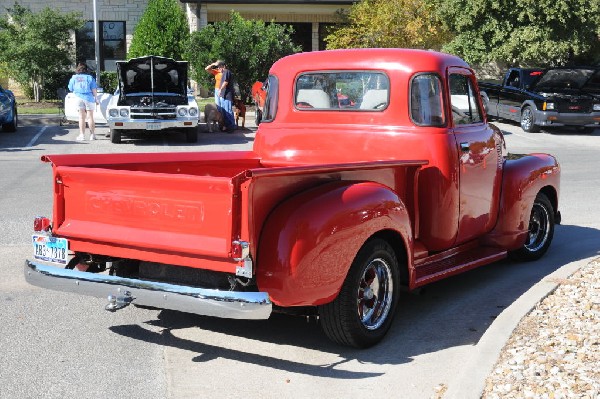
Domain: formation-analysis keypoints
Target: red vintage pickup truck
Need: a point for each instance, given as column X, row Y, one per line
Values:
column 332, row 212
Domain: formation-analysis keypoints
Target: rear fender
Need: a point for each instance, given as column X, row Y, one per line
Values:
column 524, row 177
column 309, row 242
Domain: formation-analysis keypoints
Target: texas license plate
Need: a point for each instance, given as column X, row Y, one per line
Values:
column 50, row 249
column 153, row 126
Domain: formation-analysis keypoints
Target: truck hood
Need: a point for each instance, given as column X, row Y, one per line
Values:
column 568, row 80
column 152, row 75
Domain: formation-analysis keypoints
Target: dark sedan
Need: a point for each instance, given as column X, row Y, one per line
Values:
column 8, row 110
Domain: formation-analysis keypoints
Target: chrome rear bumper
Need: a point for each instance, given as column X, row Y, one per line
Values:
column 207, row 302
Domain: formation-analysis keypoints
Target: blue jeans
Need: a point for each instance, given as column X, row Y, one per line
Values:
column 226, row 108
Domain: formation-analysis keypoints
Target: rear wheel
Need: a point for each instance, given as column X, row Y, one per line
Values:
column 362, row 313
column 541, row 230
column 528, row 120
column 115, row 136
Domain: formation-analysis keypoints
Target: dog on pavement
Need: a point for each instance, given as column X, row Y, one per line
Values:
column 213, row 118
column 239, row 111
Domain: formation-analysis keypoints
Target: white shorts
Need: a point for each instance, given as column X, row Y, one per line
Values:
column 86, row 105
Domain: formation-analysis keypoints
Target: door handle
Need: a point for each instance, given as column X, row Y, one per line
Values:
column 465, row 147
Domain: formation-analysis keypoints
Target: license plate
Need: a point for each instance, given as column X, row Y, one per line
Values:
column 50, row 249
column 153, row 126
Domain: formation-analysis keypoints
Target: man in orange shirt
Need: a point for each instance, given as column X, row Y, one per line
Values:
column 217, row 73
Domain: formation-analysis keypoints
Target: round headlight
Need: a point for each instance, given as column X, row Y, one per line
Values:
column 193, row 111
column 182, row 111
column 113, row 112
column 124, row 112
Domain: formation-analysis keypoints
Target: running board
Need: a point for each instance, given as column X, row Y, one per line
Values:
column 449, row 263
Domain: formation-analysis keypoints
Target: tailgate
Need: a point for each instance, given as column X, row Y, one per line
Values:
column 153, row 212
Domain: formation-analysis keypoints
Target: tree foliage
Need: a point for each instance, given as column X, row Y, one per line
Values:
column 390, row 23
column 249, row 47
column 528, row 32
column 34, row 47
column 163, row 30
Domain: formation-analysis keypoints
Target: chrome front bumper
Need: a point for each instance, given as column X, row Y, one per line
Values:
column 142, row 124
column 207, row 302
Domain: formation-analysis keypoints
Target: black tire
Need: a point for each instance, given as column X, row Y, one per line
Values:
column 115, row 136
column 541, row 231
column 191, row 135
column 12, row 125
column 258, row 116
column 362, row 313
column 528, row 120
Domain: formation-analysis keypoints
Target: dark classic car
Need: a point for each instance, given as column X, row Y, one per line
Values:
column 8, row 110
column 566, row 96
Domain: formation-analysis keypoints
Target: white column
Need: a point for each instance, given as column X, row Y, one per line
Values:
column 315, row 36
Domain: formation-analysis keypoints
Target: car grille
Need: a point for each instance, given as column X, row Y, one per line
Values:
column 575, row 107
column 153, row 113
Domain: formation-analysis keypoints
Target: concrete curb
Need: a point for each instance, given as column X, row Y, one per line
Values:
column 470, row 383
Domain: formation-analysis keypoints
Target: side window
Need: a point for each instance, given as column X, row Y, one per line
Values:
column 426, row 100
column 513, row 79
column 342, row 91
column 271, row 86
column 465, row 107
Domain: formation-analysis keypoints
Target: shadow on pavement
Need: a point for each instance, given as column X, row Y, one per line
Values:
column 449, row 313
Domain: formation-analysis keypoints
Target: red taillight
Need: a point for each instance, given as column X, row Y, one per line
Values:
column 240, row 250
column 41, row 223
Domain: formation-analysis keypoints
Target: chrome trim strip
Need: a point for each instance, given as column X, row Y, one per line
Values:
column 207, row 302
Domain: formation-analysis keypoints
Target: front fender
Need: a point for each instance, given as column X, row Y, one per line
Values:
column 523, row 178
column 309, row 242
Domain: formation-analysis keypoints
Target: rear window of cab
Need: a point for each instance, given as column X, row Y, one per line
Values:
column 342, row 91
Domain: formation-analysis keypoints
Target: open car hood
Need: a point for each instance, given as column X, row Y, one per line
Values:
column 152, row 75
column 560, row 79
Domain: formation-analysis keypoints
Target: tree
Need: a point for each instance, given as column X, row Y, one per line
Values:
column 389, row 23
column 162, row 30
column 526, row 33
column 249, row 48
column 36, row 46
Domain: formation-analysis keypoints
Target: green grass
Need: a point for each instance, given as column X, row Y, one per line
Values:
column 37, row 110
column 27, row 106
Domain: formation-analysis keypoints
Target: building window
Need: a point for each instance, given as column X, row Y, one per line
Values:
column 112, row 44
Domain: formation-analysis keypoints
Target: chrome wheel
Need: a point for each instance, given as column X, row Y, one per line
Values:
column 528, row 120
column 362, row 313
column 540, row 231
column 375, row 293
column 538, row 228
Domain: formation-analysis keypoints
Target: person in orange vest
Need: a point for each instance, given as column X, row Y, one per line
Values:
column 217, row 73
